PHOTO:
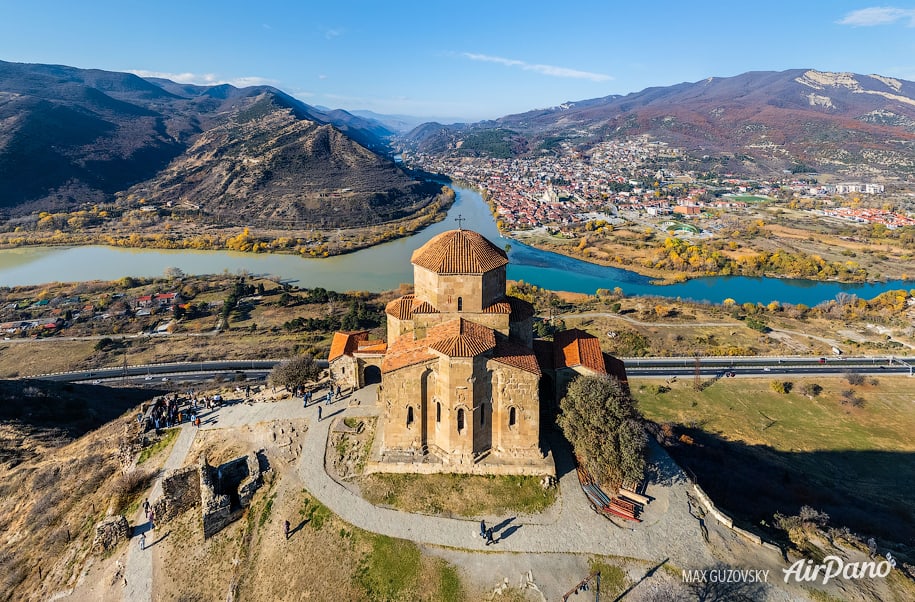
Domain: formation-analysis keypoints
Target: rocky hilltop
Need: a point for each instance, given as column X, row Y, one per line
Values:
column 71, row 137
column 762, row 122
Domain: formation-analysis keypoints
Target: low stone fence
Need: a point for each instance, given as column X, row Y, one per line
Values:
column 728, row 522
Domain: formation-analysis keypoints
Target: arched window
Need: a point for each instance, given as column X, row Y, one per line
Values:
column 409, row 416
column 438, row 411
column 512, row 417
column 460, row 420
column 460, row 303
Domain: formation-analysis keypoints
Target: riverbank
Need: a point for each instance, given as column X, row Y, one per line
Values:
column 184, row 233
column 777, row 243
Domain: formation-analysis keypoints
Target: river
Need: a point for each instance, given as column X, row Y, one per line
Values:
column 385, row 266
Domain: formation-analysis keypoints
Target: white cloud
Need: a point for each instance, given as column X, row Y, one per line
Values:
column 879, row 15
column 322, row 76
column 205, row 79
column 550, row 70
column 333, row 33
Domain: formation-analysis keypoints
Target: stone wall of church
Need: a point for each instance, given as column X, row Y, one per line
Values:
column 397, row 328
column 344, row 371
column 444, row 290
column 522, row 331
column 516, row 411
column 403, row 389
column 493, row 286
column 455, row 387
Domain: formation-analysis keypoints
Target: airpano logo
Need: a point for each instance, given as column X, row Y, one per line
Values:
column 834, row 567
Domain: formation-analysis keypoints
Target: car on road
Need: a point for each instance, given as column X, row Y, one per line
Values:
column 147, row 377
column 165, row 379
column 767, row 369
column 822, row 360
column 96, row 382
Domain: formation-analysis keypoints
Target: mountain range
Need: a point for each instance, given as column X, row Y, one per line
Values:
column 758, row 122
column 73, row 136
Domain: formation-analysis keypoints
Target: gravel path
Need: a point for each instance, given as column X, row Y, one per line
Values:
column 139, row 565
column 668, row 531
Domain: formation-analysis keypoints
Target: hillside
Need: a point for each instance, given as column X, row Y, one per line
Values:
column 767, row 121
column 73, row 137
column 265, row 164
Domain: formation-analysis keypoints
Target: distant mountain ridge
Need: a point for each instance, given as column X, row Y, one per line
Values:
column 766, row 121
column 71, row 136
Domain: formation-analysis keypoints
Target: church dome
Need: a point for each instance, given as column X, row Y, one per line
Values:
column 459, row 252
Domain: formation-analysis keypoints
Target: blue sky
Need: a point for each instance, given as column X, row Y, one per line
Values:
column 470, row 59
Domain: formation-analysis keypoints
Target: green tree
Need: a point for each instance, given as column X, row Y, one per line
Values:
column 600, row 420
column 295, row 372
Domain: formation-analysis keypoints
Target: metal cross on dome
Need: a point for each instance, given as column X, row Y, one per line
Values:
column 460, row 219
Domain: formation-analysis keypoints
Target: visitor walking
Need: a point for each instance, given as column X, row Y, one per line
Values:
column 146, row 507
column 319, row 413
column 142, row 541
column 489, row 538
column 286, row 529
column 482, row 529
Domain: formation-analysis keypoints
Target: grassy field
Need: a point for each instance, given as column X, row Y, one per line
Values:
column 758, row 452
column 461, row 495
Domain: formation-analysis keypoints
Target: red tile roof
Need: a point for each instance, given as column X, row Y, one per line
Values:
column 517, row 356
column 459, row 252
column 404, row 307
column 461, row 338
column 578, row 348
column 518, row 308
column 344, row 343
column 400, row 308
column 406, row 351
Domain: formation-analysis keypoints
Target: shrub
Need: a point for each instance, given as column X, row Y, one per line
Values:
column 854, row 378
column 783, row 387
column 811, row 390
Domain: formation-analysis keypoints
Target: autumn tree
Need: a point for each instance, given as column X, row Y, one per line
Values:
column 295, row 372
column 600, row 420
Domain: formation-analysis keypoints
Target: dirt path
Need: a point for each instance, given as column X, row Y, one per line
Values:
column 139, row 565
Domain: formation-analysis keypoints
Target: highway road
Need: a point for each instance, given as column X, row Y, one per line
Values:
column 660, row 367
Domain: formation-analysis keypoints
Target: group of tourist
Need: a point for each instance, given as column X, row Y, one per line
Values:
column 172, row 410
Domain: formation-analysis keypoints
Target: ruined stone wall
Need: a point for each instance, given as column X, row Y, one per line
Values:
column 215, row 507
column 251, row 482
column 180, row 492
column 219, row 485
column 109, row 532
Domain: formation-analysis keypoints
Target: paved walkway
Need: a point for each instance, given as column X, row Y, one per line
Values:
column 669, row 531
column 139, row 569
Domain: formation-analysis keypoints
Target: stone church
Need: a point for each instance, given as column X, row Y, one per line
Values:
column 461, row 382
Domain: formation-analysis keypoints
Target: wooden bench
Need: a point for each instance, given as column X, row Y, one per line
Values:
column 632, row 495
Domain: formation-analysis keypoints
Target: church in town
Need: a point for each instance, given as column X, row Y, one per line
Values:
column 463, row 384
